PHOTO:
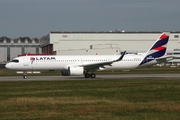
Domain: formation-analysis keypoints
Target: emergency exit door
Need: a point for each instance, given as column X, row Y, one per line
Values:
column 25, row 61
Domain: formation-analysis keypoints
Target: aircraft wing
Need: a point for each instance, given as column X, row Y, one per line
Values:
column 96, row 66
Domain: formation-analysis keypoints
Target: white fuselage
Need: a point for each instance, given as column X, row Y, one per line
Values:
column 61, row 63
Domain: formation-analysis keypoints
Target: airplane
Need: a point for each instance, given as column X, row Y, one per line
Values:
column 87, row 64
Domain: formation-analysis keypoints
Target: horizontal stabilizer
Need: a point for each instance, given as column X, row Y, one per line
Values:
column 164, row 59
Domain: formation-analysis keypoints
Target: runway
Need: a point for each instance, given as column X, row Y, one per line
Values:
column 99, row 77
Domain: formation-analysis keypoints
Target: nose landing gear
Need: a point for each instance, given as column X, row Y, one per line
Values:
column 25, row 75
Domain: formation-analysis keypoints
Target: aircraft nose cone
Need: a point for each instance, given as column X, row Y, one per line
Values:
column 8, row 66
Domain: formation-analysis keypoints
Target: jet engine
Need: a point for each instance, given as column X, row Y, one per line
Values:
column 72, row 70
column 65, row 73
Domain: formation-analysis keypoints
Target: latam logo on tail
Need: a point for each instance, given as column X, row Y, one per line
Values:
column 157, row 50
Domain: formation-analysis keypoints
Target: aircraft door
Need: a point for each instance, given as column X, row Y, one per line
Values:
column 109, row 59
column 25, row 62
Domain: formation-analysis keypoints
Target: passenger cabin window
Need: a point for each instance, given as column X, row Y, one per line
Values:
column 15, row 60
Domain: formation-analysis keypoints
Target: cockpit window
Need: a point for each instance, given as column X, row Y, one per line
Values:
column 15, row 60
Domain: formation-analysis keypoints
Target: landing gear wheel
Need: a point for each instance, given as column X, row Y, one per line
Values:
column 86, row 75
column 93, row 75
column 25, row 76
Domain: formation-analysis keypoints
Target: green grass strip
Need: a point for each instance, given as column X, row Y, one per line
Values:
column 121, row 99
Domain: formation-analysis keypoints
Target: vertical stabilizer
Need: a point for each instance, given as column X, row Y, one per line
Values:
column 158, row 49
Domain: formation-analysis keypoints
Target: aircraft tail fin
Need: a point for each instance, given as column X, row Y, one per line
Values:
column 158, row 49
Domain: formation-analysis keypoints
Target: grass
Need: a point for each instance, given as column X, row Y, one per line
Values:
column 123, row 99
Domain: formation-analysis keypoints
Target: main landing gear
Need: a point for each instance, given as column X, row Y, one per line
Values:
column 92, row 75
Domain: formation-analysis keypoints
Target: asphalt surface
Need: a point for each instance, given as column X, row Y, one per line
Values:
column 98, row 77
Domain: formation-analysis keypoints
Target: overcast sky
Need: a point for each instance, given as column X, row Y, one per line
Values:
column 35, row 18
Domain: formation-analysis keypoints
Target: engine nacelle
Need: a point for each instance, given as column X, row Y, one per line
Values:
column 76, row 70
column 72, row 70
column 65, row 73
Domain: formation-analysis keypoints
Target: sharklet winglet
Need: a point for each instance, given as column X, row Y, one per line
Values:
column 121, row 57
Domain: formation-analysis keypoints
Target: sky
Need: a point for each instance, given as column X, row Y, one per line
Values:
column 35, row 18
